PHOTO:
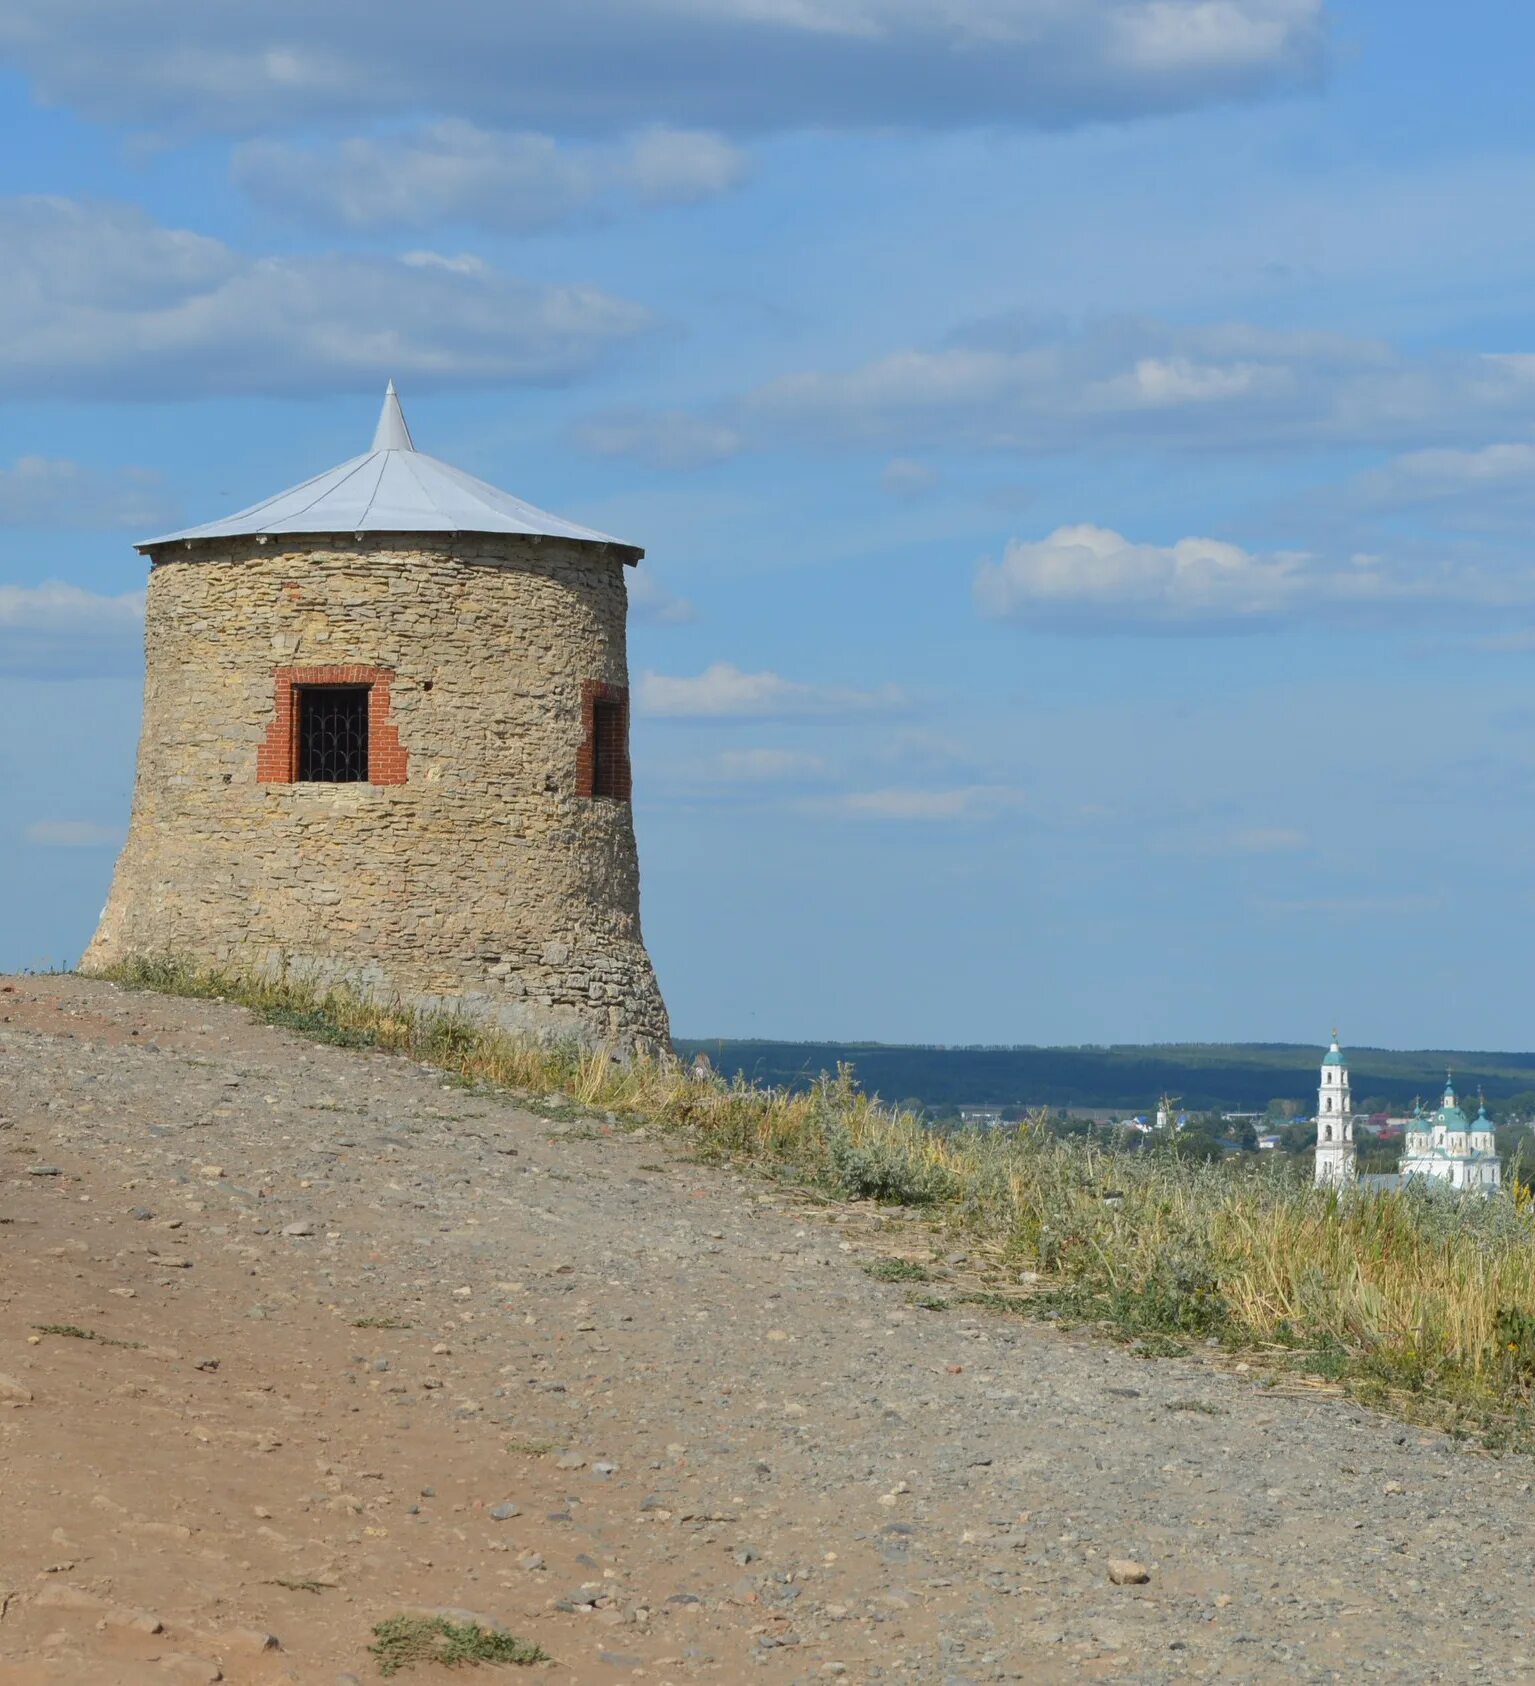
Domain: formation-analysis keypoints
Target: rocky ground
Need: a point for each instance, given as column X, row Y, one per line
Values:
column 368, row 1343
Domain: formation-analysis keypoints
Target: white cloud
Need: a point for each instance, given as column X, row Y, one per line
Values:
column 1089, row 576
column 98, row 300
column 1487, row 488
column 723, row 692
column 906, row 478
column 1096, row 570
column 649, row 600
column 456, row 171
column 55, row 492
column 604, row 65
column 1008, row 386
column 663, row 439
column 919, row 746
column 1019, row 386
column 964, row 802
column 680, row 166
column 72, row 834
column 766, row 766
column 57, row 630
column 57, row 607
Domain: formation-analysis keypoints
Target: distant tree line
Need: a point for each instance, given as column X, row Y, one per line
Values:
column 1128, row 1078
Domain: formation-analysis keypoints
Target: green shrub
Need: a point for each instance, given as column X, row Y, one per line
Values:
column 403, row 1641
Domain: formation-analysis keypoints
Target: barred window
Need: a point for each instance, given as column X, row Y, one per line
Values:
column 602, row 766
column 333, row 734
column 608, row 758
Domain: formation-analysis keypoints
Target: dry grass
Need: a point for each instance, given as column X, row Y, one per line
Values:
column 1422, row 1300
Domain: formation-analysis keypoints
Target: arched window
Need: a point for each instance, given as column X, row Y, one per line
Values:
column 1328, row 1104
column 1327, row 1134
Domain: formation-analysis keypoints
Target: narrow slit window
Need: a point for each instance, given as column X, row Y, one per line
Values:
column 610, row 760
column 333, row 734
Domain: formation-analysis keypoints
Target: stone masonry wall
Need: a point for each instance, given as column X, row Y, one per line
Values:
column 483, row 879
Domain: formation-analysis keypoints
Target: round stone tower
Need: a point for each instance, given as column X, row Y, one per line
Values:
column 386, row 741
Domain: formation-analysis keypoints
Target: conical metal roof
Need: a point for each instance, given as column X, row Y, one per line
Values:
column 393, row 488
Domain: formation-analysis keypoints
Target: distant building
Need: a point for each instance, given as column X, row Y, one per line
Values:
column 1451, row 1148
column 1444, row 1145
column 1335, row 1161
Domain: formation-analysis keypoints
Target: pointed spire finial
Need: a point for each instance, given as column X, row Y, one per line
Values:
column 392, row 434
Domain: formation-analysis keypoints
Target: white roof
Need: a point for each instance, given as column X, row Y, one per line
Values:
column 393, row 488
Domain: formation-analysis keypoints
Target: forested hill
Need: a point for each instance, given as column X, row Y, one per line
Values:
column 1235, row 1076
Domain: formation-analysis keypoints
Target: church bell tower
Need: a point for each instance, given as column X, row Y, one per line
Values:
column 1334, row 1121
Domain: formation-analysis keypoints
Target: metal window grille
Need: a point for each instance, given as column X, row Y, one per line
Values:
column 333, row 734
column 610, row 762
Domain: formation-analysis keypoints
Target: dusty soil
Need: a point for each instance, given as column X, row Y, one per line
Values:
column 729, row 1454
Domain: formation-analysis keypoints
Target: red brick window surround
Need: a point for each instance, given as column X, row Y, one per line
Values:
column 277, row 761
column 602, row 762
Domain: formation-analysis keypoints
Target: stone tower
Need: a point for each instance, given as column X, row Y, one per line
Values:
column 1334, row 1120
column 386, row 741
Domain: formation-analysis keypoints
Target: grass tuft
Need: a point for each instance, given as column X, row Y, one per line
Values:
column 403, row 1642
column 898, row 1270
column 1416, row 1299
column 76, row 1333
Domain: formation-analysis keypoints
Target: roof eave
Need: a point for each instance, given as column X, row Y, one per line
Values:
column 629, row 554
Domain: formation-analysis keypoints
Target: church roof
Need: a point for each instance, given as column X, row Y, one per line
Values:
column 1334, row 1055
column 393, row 488
column 1449, row 1114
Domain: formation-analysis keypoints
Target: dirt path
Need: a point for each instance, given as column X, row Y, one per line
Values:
column 397, row 1345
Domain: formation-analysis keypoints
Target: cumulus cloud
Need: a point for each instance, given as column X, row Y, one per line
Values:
column 98, row 300
column 1094, row 570
column 56, row 630
column 55, row 492
column 1089, row 576
column 455, row 171
column 724, row 692
column 72, row 834
column 609, row 65
column 962, row 802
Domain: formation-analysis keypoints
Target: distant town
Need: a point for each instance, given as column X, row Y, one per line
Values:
column 1200, row 1101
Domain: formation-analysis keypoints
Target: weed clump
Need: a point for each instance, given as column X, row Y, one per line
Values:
column 74, row 1332
column 898, row 1270
column 403, row 1642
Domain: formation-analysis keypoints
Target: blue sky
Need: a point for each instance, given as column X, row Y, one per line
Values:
column 1085, row 451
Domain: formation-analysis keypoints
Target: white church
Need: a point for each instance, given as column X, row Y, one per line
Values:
column 1444, row 1145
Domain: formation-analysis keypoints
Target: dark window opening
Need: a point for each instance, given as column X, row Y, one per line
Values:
column 333, row 734
column 610, row 762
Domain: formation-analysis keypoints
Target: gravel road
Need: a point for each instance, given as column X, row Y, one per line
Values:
column 394, row 1344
